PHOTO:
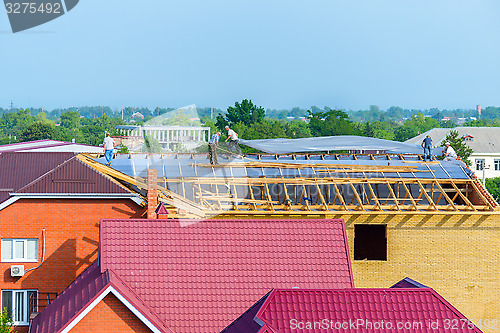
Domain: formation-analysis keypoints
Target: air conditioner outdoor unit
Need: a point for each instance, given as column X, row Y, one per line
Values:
column 16, row 270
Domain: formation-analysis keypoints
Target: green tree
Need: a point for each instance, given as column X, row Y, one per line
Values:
column 70, row 120
column 297, row 129
column 152, row 145
column 493, row 186
column 368, row 130
column 272, row 129
column 458, row 143
column 414, row 126
column 332, row 122
column 6, row 322
column 38, row 131
column 245, row 112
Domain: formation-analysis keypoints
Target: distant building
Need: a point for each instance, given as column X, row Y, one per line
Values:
column 484, row 141
column 137, row 115
column 169, row 136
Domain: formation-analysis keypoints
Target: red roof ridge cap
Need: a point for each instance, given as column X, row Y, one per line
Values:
column 84, row 307
column 112, row 275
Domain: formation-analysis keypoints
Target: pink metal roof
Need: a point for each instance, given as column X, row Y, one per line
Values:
column 199, row 276
column 80, row 294
column 420, row 308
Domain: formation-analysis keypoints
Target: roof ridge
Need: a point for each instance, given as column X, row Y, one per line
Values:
column 108, row 178
column 114, row 275
column 45, row 174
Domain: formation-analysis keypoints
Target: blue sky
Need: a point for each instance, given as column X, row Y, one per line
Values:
column 281, row 54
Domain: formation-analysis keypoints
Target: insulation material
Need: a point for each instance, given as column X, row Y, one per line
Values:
column 331, row 143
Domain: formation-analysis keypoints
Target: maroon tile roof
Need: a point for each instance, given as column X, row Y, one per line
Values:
column 200, row 275
column 285, row 310
column 79, row 296
column 73, row 176
column 19, row 169
column 51, row 173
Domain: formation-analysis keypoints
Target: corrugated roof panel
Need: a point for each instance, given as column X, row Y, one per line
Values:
column 200, row 275
column 19, row 169
column 73, row 176
column 78, row 296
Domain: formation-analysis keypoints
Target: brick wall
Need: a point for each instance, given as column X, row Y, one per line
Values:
column 110, row 315
column 152, row 193
column 458, row 255
column 72, row 237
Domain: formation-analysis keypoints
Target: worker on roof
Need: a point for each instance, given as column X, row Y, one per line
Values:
column 427, row 145
column 212, row 148
column 109, row 146
column 449, row 153
column 232, row 136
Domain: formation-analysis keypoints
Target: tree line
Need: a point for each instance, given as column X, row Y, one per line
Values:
column 88, row 124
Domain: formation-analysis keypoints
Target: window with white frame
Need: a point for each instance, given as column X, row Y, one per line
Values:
column 497, row 165
column 19, row 304
column 19, row 250
column 479, row 164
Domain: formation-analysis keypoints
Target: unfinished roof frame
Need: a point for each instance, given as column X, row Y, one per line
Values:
column 340, row 188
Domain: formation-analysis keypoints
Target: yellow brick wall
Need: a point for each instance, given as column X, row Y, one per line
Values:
column 458, row 255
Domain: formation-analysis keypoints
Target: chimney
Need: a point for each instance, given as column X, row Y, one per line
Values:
column 478, row 111
column 152, row 193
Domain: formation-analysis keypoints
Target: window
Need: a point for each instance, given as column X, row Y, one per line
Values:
column 480, row 164
column 370, row 242
column 497, row 165
column 19, row 250
column 19, row 304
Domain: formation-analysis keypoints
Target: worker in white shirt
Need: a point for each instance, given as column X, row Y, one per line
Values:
column 232, row 136
column 449, row 153
column 109, row 146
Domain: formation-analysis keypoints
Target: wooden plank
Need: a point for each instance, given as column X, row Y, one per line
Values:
column 394, row 196
column 446, row 197
column 357, row 197
column 464, row 198
column 429, row 199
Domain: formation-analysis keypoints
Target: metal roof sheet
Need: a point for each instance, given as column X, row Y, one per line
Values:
column 188, row 165
column 50, row 146
column 418, row 307
column 78, row 296
column 19, row 169
column 199, row 275
column 73, row 176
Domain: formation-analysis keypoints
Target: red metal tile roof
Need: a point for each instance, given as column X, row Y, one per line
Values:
column 78, row 297
column 19, row 169
column 200, row 276
column 285, row 310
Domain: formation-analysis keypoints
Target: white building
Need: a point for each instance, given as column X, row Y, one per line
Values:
column 484, row 141
column 168, row 136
